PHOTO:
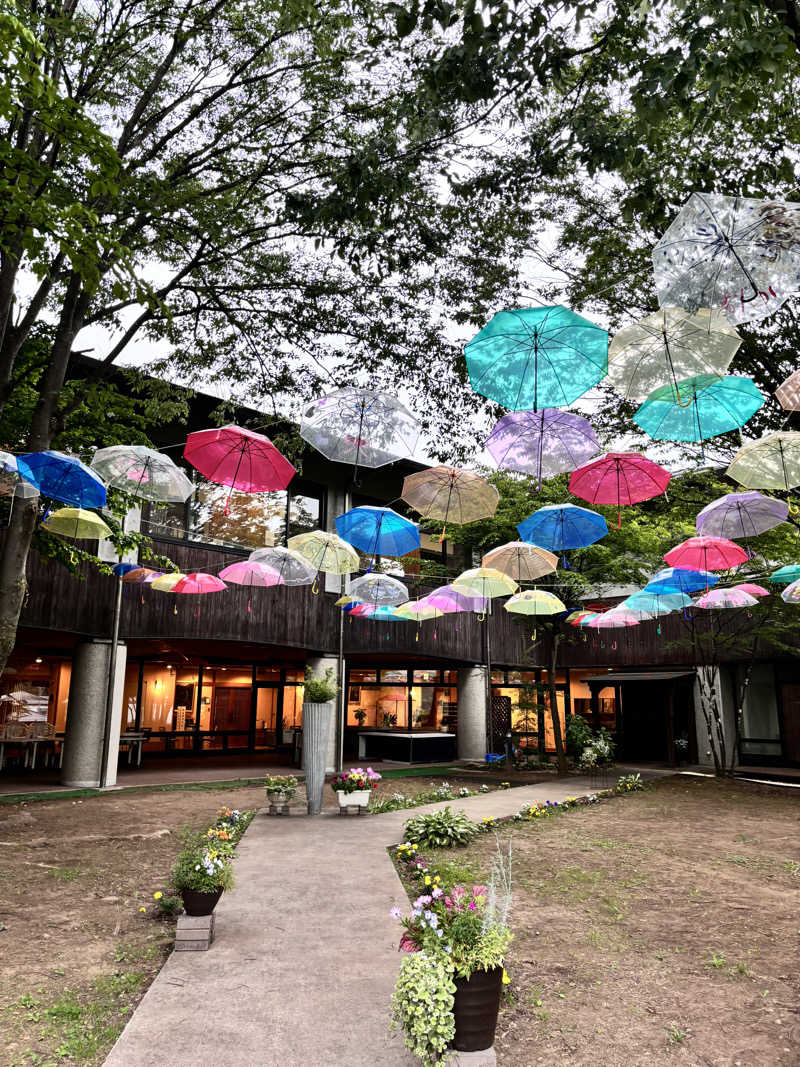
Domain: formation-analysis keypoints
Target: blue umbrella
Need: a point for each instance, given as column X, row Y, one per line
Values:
column 657, row 603
column 680, row 580
column 562, row 526
column 698, row 408
column 378, row 531
column 63, row 478
column 124, row 568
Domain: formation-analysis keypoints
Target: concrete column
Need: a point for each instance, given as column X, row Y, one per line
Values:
column 86, row 711
column 319, row 666
column 472, row 713
column 719, row 683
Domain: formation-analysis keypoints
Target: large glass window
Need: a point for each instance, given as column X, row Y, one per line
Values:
column 34, row 689
column 253, row 520
column 305, row 513
column 760, row 727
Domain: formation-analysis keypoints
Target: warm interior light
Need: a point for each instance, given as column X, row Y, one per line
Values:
column 38, row 659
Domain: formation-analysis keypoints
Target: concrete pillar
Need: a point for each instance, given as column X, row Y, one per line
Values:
column 319, row 666
column 719, row 683
column 472, row 713
column 86, row 711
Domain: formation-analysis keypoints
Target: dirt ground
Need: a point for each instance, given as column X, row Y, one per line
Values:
column 657, row 928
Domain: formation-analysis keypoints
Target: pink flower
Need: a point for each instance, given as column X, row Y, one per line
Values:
column 472, row 906
column 406, row 944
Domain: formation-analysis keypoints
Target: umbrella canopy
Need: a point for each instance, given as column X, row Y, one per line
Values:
column 656, row 603
column 542, row 443
column 9, row 475
column 239, row 458
column 562, row 526
column 575, row 617
column 447, row 494
column 381, row 613
column 784, row 575
column 728, row 252
column 536, row 357
column 361, row 427
column 616, row 618
column 771, row 462
column 521, row 561
column 752, row 589
column 76, row 523
column 121, row 569
column 325, row 552
column 418, row 611
column 534, row 602
column 251, row 572
column 198, row 582
column 448, row 600
column 788, row 394
column 143, row 472
column 484, row 582
column 64, row 478
column 165, row 583
column 140, row 575
column 668, row 346
column 698, row 408
column 378, row 531
column 291, row 566
column 619, row 479
column 587, row 618
column 706, row 553
column 680, row 580
column 791, row 594
column 738, row 515
column 725, row 598
column 378, row 589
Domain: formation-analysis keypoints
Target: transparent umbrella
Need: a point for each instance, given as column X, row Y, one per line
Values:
column 143, row 472
column 291, row 566
column 771, row 462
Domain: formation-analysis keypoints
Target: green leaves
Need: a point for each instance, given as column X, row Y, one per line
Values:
column 440, row 829
column 422, row 1005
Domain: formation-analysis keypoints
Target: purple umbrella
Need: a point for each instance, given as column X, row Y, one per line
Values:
column 542, row 443
column 449, row 600
column 739, row 515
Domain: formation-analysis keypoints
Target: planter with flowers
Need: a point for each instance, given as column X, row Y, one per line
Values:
column 280, row 788
column 354, row 788
column 203, row 869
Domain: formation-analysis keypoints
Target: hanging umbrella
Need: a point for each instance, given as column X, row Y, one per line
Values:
column 534, row 602
column 484, row 582
column 165, row 583
column 706, row 553
column 521, row 561
column 378, row 589
column 739, row 515
column 680, row 580
column 698, row 408
column 562, row 526
column 447, row 494
column 9, row 474
column 143, row 472
column 378, row 531
column 140, row 575
column 668, row 346
column 121, row 569
column 656, row 603
column 325, row 552
column 771, row 462
column 291, row 566
column 448, row 601
column 542, row 443
column 784, row 575
column 251, row 572
column 619, row 479
column 788, row 394
column 239, row 458
column 732, row 253
column 575, row 617
column 361, row 427
column 587, row 618
column 347, row 601
column 725, row 598
column 536, row 357
column 198, row 582
column 418, row 611
column 384, row 613
column 752, row 589
column 64, row 478
column 76, row 523
column 616, row 618
column 791, row 594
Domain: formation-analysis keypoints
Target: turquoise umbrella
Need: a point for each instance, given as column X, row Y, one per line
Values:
column 532, row 358
column 655, row 603
column 698, row 408
column 785, row 575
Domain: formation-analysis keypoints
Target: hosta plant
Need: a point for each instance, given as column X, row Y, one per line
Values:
column 440, row 829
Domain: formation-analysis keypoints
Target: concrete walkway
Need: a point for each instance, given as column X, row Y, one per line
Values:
column 305, row 960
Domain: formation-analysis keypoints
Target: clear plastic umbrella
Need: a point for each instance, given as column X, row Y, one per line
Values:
column 291, row 566
column 325, row 552
column 378, row 589
column 142, row 472
column 771, row 462
column 521, row 561
column 542, row 443
column 76, row 523
column 450, row 495
column 741, row 515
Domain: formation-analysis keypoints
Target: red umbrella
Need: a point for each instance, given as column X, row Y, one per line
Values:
column 707, row 554
column 619, row 478
column 198, row 582
column 239, row 458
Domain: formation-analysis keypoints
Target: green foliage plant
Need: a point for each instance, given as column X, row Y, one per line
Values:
column 281, row 783
column 319, row 690
column 422, row 1006
column 205, row 863
column 629, row 783
column 440, row 829
column 578, row 736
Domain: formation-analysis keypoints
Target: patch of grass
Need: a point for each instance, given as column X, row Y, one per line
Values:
column 456, row 872
column 65, row 874
column 741, row 968
column 793, row 868
column 675, row 1036
column 717, row 961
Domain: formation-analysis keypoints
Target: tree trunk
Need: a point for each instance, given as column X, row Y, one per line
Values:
column 561, row 755
column 13, row 585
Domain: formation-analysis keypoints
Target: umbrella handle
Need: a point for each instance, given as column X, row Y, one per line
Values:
column 315, row 585
column 482, row 616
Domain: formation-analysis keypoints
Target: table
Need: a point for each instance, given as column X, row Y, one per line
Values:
column 132, row 741
column 412, row 746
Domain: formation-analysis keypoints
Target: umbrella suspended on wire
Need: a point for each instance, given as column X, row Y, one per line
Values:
column 76, row 523
column 617, row 618
column 753, row 589
column 448, row 600
column 771, row 462
column 560, row 527
column 698, row 408
column 681, row 580
column 326, row 552
column 238, row 458
column 143, row 472
column 253, row 573
column 521, row 561
column 788, row 394
column 450, row 495
column 706, row 553
column 534, row 602
column 730, row 253
column 786, row 575
column 165, row 583
column 293, row 568
column 741, row 515
column 542, row 443
column 378, row 590
column 725, row 598
column 378, row 531
column 63, row 478
column 791, row 594
column 656, row 603
column 619, row 479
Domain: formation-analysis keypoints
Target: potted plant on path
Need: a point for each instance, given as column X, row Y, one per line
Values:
column 280, row 788
column 354, row 787
column 318, row 713
column 203, row 869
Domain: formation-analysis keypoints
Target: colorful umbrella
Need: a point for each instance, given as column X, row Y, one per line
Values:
column 542, row 443
column 791, row 593
column 725, row 598
column 381, row 613
column 680, row 580
column 291, row 566
column 732, row 253
column 771, row 462
column 484, row 582
column 617, row 618
column 251, row 572
column 378, row 589
column 417, row 611
column 587, row 618
column 575, row 617
column 706, row 553
column 619, row 479
column 198, row 582
column 752, row 589
column 121, row 569
column 239, row 458
column 562, row 526
column 143, row 472
column 64, row 478
column 521, row 561
column 448, row 601
column 534, row 602
column 165, row 583
column 76, row 523
column 788, row 394
column 784, row 575
column 378, row 531
column 447, row 494
column 668, row 346
column 325, row 552
column 656, row 603
column 698, row 408
column 739, row 515
column 536, row 357
column 140, row 575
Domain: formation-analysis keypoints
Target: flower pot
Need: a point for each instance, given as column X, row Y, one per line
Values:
column 277, row 797
column 197, row 903
column 317, row 727
column 475, row 1007
column 358, row 799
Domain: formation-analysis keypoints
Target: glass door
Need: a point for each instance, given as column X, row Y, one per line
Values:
column 268, row 727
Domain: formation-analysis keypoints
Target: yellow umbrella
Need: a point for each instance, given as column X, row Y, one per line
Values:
column 521, row 561
column 534, row 602
column 77, row 523
column 485, row 582
column 347, row 599
column 326, row 552
column 167, row 582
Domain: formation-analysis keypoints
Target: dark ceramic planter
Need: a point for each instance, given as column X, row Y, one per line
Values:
column 196, row 903
column 475, row 1008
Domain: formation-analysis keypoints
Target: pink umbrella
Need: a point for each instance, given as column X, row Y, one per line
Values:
column 449, row 600
column 240, row 458
column 251, row 572
column 199, row 583
column 706, row 554
column 616, row 618
column 725, row 598
column 752, row 589
column 618, row 479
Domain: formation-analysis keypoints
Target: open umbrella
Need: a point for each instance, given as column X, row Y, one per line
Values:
column 251, row 572
column 619, row 479
column 542, row 443
column 165, row 583
column 536, row 357
column 418, row 611
column 656, row 603
column 752, row 589
column 140, row 576
column 239, row 458
column 291, row 566
column 698, row 408
column 63, row 478
column 668, row 346
column 381, row 613
column 788, row 394
column 484, row 582
column 143, row 472
column 771, row 462
column 378, row 531
column 785, row 575
column 448, row 601
column 563, row 526
column 378, row 589
column 521, row 561
column 534, row 602
column 680, row 580
column 76, row 523
column 616, row 618
column 740, row 515
column 575, row 617
column 447, row 494
column 198, row 582
column 325, row 552
column 706, row 553
column 729, row 252
column 121, row 569
column 725, row 598
column 791, row 594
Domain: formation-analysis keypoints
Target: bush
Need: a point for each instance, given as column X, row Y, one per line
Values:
column 440, row 829
column 578, row 736
column 319, row 690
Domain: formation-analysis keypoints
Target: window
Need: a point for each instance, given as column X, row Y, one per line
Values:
column 426, row 676
column 305, row 513
column 395, row 676
column 363, row 676
column 253, row 520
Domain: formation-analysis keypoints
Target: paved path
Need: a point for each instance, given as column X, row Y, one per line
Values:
column 302, row 971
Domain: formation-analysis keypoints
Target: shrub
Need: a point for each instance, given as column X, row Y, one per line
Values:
column 440, row 829
column 630, row 783
column 578, row 736
column 422, row 1006
column 319, row 690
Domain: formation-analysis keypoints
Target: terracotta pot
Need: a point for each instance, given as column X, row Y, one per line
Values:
column 475, row 1008
column 197, row 903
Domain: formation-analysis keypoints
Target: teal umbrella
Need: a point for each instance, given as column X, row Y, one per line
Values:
column 785, row 575
column 655, row 603
column 700, row 407
column 533, row 358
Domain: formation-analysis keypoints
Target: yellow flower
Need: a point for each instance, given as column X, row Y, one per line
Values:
column 436, row 878
column 427, row 880
column 506, row 977
column 142, row 909
column 157, row 896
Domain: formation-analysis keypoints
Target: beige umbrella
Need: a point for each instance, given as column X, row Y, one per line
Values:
column 771, row 462
column 788, row 394
column 448, row 494
column 521, row 561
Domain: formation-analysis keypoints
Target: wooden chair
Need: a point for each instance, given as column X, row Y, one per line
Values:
column 13, row 734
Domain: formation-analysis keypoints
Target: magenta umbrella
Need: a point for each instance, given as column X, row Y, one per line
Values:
column 251, row 572
column 725, row 598
column 542, row 443
column 449, row 600
column 198, row 582
column 752, row 589
column 619, row 479
column 706, row 554
column 240, row 458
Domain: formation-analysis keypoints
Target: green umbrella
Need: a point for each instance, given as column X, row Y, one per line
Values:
column 698, row 408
